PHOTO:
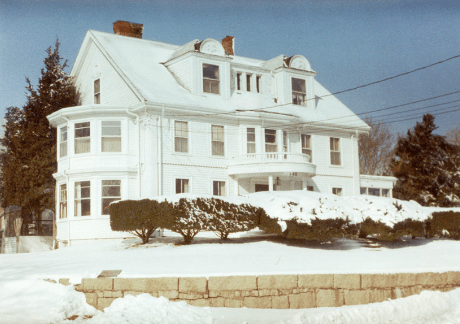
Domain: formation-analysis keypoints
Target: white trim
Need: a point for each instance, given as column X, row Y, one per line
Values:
column 189, row 132
column 182, row 178
column 225, row 141
column 219, row 180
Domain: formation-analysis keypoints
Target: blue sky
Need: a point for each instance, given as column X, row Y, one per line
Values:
column 349, row 43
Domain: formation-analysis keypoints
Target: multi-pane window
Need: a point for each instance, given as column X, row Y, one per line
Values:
column 82, row 138
column 363, row 191
column 63, row 201
column 97, row 91
column 258, row 85
column 373, row 192
column 181, row 136
column 306, row 145
column 299, row 92
column 335, row 151
column 217, row 139
column 270, row 140
column 111, row 136
column 210, row 78
column 238, row 80
column 251, row 140
column 218, row 188
column 63, row 142
column 337, row 191
column 111, row 191
column 83, row 198
column 248, row 82
column 182, row 186
column 385, row 192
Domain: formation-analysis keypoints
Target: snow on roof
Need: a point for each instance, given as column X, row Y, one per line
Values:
column 141, row 61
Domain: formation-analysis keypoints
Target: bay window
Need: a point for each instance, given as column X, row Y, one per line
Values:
column 83, row 198
column 63, row 142
column 111, row 191
column 306, row 145
column 63, row 201
column 111, row 136
column 270, row 140
column 82, row 138
column 251, row 140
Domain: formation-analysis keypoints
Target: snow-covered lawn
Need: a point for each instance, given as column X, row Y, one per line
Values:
column 26, row 298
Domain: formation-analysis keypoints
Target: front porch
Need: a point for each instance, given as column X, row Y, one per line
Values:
column 272, row 171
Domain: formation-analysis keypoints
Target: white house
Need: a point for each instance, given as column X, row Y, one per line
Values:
column 160, row 119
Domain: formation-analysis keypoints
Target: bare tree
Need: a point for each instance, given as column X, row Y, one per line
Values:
column 376, row 148
column 453, row 135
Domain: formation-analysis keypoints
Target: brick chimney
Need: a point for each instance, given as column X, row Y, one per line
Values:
column 126, row 28
column 228, row 43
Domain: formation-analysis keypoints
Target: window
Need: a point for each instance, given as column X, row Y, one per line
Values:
column 181, row 136
column 97, row 91
column 270, row 140
column 111, row 136
column 335, row 151
column 374, row 192
column 363, row 191
column 82, row 138
column 218, row 188
column 337, row 191
column 258, row 85
column 238, row 81
column 251, row 140
column 182, row 186
column 83, row 198
column 217, row 139
column 299, row 92
column 248, row 82
column 306, row 145
column 310, row 188
column 63, row 142
column 63, row 201
column 111, row 191
column 211, row 78
column 385, row 192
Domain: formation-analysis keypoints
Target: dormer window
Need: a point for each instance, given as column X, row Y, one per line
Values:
column 210, row 78
column 299, row 92
column 248, row 82
column 97, row 91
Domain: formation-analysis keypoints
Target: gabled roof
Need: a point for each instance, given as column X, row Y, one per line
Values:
column 140, row 63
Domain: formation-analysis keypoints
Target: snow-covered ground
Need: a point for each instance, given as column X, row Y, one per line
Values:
column 26, row 298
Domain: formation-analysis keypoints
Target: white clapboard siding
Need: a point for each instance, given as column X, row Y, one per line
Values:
column 114, row 90
column 182, row 71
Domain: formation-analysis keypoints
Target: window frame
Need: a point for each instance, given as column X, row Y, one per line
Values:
column 339, row 151
column 339, row 191
column 112, row 198
column 219, row 182
column 82, row 137
column 111, row 136
column 189, row 182
column 97, row 91
column 309, row 148
column 295, row 94
column 81, row 198
column 63, row 202
column 215, row 141
column 61, row 141
column 187, row 131
column 258, row 83
column 239, row 80
column 275, row 144
column 248, row 82
column 218, row 80
column 251, row 143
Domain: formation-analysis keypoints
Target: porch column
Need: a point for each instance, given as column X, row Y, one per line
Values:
column 304, row 184
column 270, row 183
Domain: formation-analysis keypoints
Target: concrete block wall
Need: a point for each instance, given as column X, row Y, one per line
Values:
column 270, row 291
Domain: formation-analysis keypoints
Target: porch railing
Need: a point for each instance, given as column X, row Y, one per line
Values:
column 270, row 157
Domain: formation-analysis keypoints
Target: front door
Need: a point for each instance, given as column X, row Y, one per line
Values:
column 261, row 187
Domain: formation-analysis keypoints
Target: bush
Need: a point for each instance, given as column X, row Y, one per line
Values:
column 410, row 227
column 378, row 230
column 318, row 230
column 445, row 221
column 138, row 217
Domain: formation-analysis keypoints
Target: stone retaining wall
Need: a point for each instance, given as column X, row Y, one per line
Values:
column 270, row 291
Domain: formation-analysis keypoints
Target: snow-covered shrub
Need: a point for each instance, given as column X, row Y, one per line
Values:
column 445, row 221
column 225, row 217
column 414, row 228
column 376, row 229
column 138, row 217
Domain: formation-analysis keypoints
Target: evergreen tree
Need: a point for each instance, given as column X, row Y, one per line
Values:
column 29, row 159
column 426, row 166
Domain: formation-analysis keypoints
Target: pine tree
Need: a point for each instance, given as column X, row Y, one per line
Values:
column 426, row 166
column 29, row 159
